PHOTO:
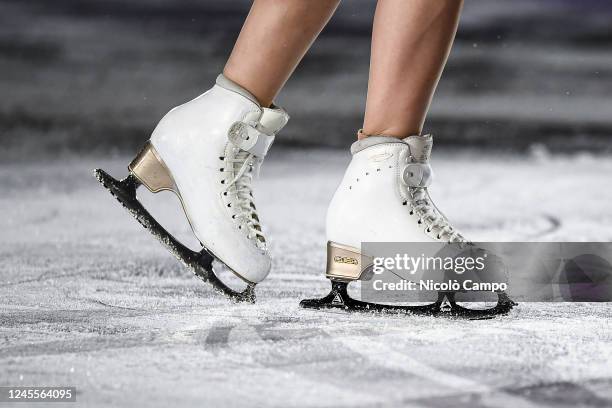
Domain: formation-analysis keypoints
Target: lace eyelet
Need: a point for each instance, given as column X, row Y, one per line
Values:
column 229, row 204
column 419, row 222
column 428, row 229
column 221, row 169
column 221, row 158
column 222, row 181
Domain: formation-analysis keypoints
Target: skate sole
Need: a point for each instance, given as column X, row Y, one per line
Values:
column 445, row 306
column 200, row 263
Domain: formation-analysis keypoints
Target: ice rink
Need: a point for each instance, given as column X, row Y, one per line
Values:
column 88, row 298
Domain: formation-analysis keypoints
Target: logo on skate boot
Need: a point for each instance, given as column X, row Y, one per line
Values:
column 337, row 300
column 446, row 306
column 345, row 260
column 381, row 157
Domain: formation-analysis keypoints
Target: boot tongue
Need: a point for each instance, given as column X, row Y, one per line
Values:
column 420, row 147
column 273, row 119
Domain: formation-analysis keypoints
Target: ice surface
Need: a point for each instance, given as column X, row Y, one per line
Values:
column 88, row 298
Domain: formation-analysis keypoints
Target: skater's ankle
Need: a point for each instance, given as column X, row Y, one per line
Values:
column 228, row 83
column 387, row 132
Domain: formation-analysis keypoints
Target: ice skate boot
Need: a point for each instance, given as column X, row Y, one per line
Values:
column 207, row 151
column 384, row 197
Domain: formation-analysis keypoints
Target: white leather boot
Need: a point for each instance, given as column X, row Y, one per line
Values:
column 213, row 146
column 383, row 197
column 207, row 152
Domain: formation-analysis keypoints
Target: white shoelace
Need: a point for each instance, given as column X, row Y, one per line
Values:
column 432, row 216
column 242, row 166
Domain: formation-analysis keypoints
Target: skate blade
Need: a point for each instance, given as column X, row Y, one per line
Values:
column 445, row 306
column 200, row 263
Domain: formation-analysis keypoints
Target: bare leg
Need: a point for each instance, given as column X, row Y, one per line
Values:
column 411, row 41
column 273, row 40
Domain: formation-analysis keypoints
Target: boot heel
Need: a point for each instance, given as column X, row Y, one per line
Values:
column 343, row 262
column 151, row 171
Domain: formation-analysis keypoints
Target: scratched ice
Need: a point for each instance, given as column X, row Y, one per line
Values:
column 88, row 298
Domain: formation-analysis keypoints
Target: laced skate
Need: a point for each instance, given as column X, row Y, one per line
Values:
column 207, row 152
column 384, row 197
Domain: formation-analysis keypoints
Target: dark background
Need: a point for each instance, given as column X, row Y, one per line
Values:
column 97, row 75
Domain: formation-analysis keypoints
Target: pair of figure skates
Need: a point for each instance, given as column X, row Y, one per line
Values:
column 207, row 152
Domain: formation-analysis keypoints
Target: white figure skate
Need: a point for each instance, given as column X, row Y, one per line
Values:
column 383, row 197
column 207, row 151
